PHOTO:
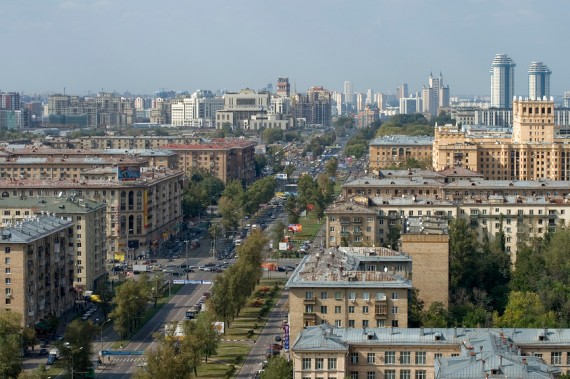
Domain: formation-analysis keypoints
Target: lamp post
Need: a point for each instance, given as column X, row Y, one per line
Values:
column 186, row 269
column 104, row 322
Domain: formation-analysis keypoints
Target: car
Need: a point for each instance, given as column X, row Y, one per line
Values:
column 51, row 360
column 188, row 270
column 271, row 353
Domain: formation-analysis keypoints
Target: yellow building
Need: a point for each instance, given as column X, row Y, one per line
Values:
column 394, row 150
column 329, row 352
column 532, row 150
column 350, row 287
column 38, row 268
column 141, row 211
column 89, row 231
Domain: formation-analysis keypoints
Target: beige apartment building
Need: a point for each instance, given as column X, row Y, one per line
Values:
column 532, row 150
column 226, row 159
column 38, row 265
column 350, row 287
column 394, row 150
column 127, row 142
column 89, row 230
column 141, row 211
column 329, row 352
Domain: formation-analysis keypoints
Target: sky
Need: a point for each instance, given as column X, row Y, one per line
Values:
column 142, row 46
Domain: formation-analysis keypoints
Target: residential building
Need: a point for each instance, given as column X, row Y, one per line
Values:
column 315, row 106
column 538, row 81
column 240, row 106
column 435, row 95
column 348, row 93
column 143, row 205
column 502, row 81
column 89, row 231
column 283, row 87
column 10, row 101
column 350, row 287
column 411, row 105
column 367, row 116
column 38, row 266
column 397, row 149
column 325, row 351
column 198, row 110
column 127, row 142
column 227, row 159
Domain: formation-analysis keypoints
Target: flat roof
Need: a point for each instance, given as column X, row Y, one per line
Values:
column 396, row 140
column 32, row 229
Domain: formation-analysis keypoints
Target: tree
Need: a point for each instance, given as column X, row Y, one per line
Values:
column 165, row 361
column 208, row 337
column 525, row 310
column 130, row 303
column 436, row 316
column 278, row 231
column 415, row 308
column 289, row 170
column 221, row 300
column 231, row 205
column 331, row 167
column 77, row 351
column 105, row 296
column 278, row 368
column 393, row 238
column 272, row 135
column 260, row 163
column 29, row 336
column 11, row 337
column 293, row 210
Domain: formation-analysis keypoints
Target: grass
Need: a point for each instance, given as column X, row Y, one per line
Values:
column 231, row 355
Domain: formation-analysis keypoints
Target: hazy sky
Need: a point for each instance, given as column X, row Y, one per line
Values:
column 146, row 45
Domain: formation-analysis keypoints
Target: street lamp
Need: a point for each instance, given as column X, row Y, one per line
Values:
column 186, row 269
column 104, row 322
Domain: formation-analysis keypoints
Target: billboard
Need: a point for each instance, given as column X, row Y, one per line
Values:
column 295, row 228
column 283, row 246
column 126, row 173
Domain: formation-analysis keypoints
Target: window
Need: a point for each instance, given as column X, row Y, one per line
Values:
column 352, row 295
column 324, row 295
column 306, row 363
column 365, row 323
column 394, row 295
column 337, row 309
column 7, row 260
column 405, row 357
column 8, row 281
column 338, row 323
column 394, row 323
column 437, row 355
column 420, row 374
column 390, row 357
column 365, row 309
column 366, row 295
column 371, row 358
column 556, row 358
column 332, row 363
column 338, row 295
column 394, row 310
column 370, row 375
column 7, row 270
column 390, row 374
column 309, row 295
column 7, row 249
column 420, row 357
column 351, row 323
column 351, row 309
column 354, row 375
column 323, row 309
column 405, row 374
column 319, row 363
column 353, row 358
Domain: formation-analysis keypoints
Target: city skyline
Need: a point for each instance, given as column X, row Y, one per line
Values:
column 143, row 46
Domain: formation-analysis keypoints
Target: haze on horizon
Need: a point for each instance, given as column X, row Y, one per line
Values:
column 86, row 46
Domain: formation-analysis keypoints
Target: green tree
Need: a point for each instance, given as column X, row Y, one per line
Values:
column 258, row 193
column 130, row 304
column 165, row 361
column 278, row 368
column 393, row 238
column 222, row 304
column 525, row 310
column 289, row 170
column 270, row 136
column 77, row 351
column 436, row 316
column 11, row 337
column 105, row 294
column 260, row 163
column 278, row 232
column 415, row 308
column 331, row 166
column 293, row 209
column 208, row 337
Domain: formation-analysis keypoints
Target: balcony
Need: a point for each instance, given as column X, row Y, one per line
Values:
column 344, row 221
column 310, row 316
column 357, row 233
column 357, row 221
column 309, row 301
column 344, row 234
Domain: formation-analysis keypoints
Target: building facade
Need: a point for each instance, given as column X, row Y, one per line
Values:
column 38, row 266
column 329, row 352
column 397, row 149
column 538, row 81
column 350, row 287
column 502, row 81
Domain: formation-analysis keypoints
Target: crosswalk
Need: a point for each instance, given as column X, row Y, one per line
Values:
column 116, row 359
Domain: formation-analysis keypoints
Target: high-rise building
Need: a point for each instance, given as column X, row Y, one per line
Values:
column 360, row 101
column 348, row 93
column 566, row 100
column 502, row 81
column 283, row 87
column 538, row 81
column 402, row 91
column 435, row 95
column 10, row 101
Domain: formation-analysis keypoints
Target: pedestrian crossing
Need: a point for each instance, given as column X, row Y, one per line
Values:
column 116, row 359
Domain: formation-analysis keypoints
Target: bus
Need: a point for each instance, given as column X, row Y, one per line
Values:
column 190, row 314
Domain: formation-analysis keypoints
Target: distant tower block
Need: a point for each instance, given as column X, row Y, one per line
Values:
column 538, row 81
column 283, row 87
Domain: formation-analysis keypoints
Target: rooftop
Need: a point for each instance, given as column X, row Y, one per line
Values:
column 32, row 229
column 340, row 267
column 56, row 205
column 396, row 140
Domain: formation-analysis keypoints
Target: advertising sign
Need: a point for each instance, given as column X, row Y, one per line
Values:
column 286, row 336
column 295, row 228
column 127, row 173
column 283, row 246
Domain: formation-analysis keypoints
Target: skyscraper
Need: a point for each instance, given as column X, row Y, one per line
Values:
column 502, row 81
column 348, row 93
column 435, row 95
column 283, row 87
column 538, row 81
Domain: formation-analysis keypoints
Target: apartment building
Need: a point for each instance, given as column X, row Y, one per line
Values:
column 329, row 352
column 397, row 149
column 226, row 159
column 143, row 207
column 124, row 142
column 521, row 209
column 532, row 150
column 89, row 231
column 38, row 266
column 350, row 287
column 240, row 106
